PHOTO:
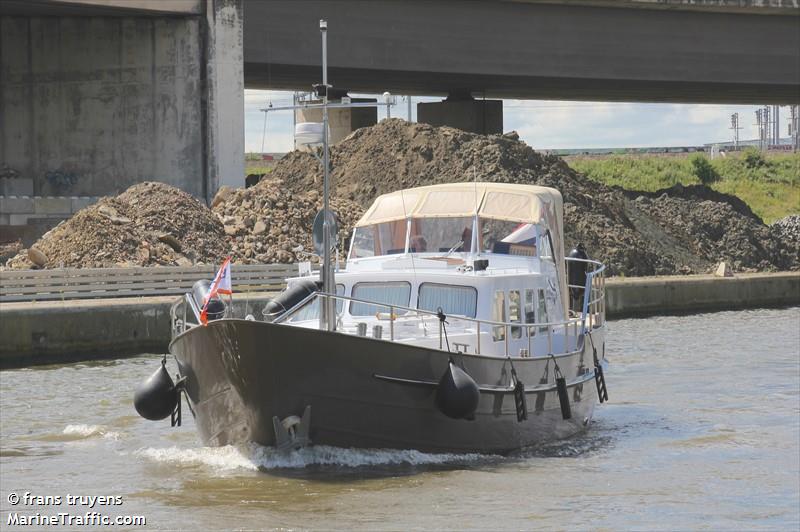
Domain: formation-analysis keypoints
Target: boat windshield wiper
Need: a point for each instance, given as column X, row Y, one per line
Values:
column 452, row 249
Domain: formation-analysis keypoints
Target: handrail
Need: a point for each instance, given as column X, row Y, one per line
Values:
column 597, row 303
column 570, row 323
column 592, row 314
column 428, row 312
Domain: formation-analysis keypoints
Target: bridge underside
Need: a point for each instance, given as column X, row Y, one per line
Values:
column 294, row 77
column 527, row 50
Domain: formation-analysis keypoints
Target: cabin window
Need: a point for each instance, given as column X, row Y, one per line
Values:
column 363, row 242
column 394, row 293
column 499, row 314
column 515, row 312
column 545, row 251
column 508, row 238
column 530, row 310
column 456, row 300
column 542, row 310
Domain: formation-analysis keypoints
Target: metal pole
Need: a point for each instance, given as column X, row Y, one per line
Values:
column 776, row 113
column 328, row 282
column 294, row 119
column 795, row 110
column 409, row 107
column 264, row 134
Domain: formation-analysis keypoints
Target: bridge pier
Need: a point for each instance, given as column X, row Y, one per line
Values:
column 462, row 111
column 97, row 98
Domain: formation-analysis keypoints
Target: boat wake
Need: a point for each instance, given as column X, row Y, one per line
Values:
column 258, row 458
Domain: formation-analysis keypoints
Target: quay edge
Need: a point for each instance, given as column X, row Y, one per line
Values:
column 36, row 333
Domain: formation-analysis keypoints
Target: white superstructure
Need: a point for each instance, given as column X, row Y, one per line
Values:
column 489, row 255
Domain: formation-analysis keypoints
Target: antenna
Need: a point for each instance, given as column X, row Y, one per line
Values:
column 474, row 249
column 328, row 314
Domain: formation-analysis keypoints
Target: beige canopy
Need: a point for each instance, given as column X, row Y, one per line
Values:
column 515, row 203
column 501, row 201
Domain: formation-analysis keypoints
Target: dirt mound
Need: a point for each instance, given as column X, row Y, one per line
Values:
column 787, row 232
column 265, row 224
column 680, row 230
column 8, row 250
column 677, row 230
column 149, row 224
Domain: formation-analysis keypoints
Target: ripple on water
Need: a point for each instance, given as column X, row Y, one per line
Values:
column 77, row 433
column 21, row 451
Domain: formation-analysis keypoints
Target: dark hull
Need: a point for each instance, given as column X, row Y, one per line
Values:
column 242, row 373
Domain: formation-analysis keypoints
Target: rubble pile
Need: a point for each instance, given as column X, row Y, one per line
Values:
column 673, row 231
column 8, row 250
column 264, row 224
column 788, row 228
column 147, row 225
column 787, row 232
column 678, row 230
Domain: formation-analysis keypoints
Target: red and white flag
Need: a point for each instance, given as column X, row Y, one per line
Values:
column 220, row 285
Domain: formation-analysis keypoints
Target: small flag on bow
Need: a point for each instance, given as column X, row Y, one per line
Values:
column 220, row 285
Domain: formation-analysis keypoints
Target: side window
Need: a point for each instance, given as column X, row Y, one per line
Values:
column 363, row 244
column 398, row 293
column 499, row 314
column 542, row 310
column 530, row 310
column 456, row 300
column 515, row 312
column 544, row 249
column 339, row 302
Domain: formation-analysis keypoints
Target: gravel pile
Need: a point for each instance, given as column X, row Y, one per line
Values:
column 787, row 232
column 678, row 230
column 147, row 225
column 8, row 250
column 788, row 228
column 264, row 224
column 673, row 231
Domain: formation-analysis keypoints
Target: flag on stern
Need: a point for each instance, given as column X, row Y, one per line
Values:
column 220, row 285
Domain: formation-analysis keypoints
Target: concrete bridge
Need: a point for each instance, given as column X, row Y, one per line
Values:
column 721, row 51
column 96, row 95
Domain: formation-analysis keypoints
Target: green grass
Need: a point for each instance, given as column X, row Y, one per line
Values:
column 257, row 170
column 769, row 184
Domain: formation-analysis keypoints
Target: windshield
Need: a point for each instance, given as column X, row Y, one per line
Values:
column 509, row 238
column 379, row 239
column 440, row 235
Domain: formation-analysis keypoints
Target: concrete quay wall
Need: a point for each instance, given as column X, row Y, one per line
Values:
column 65, row 331
column 641, row 296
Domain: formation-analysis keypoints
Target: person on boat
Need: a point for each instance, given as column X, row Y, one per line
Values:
column 418, row 244
column 466, row 240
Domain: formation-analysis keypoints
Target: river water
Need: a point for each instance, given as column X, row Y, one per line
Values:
column 702, row 431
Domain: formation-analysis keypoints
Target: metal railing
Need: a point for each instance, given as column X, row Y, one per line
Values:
column 572, row 328
column 593, row 293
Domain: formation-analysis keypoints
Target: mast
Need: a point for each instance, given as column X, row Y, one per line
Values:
column 328, row 314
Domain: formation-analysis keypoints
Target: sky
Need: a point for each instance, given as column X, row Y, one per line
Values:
column 549, row 124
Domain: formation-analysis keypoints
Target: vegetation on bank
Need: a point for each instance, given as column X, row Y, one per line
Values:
column 768, row 183
column 257, row 170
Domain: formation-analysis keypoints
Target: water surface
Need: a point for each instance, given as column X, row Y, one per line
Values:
column 702, row 431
